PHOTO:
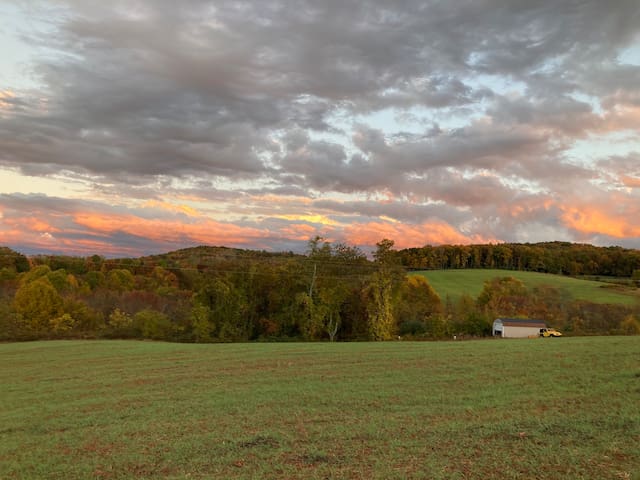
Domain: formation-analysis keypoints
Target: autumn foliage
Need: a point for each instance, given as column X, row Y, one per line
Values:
column 333, row 292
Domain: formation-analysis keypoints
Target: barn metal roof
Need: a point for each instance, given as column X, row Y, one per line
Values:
column 522, row 322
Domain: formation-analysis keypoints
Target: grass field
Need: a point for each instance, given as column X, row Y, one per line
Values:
column 456, row 282
column 493, row 409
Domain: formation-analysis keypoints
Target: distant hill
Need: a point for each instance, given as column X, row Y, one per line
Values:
column 574, row 259
column 455, row 283
column 190, row 257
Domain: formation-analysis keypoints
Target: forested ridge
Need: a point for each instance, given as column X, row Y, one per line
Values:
column 332, row 292
column 549, row 257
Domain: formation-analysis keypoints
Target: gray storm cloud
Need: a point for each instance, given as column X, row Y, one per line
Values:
column 281, row 97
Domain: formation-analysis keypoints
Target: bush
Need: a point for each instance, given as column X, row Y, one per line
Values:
column 630, row 326
column 120, row 325
column 153, row 325
column 477, row 324
column 412, row 327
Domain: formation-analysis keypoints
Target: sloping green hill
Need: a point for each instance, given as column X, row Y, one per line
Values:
column 457, row 282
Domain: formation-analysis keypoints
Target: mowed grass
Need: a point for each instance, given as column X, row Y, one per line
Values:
column 494, row 409
column 454, row 283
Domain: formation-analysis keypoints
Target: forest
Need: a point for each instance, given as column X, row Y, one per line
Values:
column 332, row 292
column 561, row 258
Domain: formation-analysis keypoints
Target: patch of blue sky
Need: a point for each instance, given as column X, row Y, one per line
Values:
column 20, row 26
column 551, row 65
column 591, row 100
column 500, row 84
column 394, row 123
column 523, row 185
column 630, row 55
column 516, row 183
column 340, row 134
column 388, row 121
column 16, row 53
column 414, row 120
column 598, row 147
column 345, row 197
column 339, row 137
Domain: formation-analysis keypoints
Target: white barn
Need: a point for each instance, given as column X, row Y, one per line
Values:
column 517, row 327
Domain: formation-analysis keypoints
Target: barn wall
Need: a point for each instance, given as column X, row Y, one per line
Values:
column 519, row 332
column 497, row 326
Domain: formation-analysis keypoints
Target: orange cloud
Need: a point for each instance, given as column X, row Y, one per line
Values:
column 172, row 231
column 631, row 182
column 41, row 240
column 30, row 224
column 597, row 220
column 90, row 247
column 406, row 236
column 281, row 200
column 170, row 207
column 318, row 219
column 299, row 231
column 621, row 117
column 5, row 96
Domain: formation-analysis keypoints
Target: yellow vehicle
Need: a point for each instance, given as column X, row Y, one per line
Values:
column 549, row 333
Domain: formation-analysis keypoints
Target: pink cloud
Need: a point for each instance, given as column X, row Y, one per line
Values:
column 616, row 214
column 406, row 235
column 159, row 230
column 602, row 219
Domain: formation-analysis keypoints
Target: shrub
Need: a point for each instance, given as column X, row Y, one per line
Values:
column 412, row 327
column 153, row 325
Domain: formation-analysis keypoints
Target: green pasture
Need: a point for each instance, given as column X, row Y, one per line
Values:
column 493, row 409
column 456, row 282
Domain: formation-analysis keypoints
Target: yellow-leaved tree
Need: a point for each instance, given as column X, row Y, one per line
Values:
column 38, row 304
column 382, row 292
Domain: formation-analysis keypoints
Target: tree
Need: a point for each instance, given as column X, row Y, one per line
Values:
column 120, row 324
column 201, row 326
column 163, row 281
column 227, row 310
column 13, row 260
column 120, row 280
column 10, row 329
column 504, row 296
column 630, row 325
column 323, row 309
column 329, row 286
column 153, row 325
column 465, row 316
column 382, row 291
column 381, row 323
column 477, row 323
column 34, row 274
column 419, row 304
column 38, row 303
column 62, row 324
column 62, row 281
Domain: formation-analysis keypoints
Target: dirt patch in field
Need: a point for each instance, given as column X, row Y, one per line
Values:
column 260, row 441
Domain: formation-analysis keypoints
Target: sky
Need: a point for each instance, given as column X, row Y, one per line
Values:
column 144, row 126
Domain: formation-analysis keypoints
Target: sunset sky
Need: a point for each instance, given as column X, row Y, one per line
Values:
column 144, row 126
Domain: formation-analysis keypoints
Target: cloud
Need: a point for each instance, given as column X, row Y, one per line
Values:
column 615, row 217
column 76, row 227
column 231, row 117
column 405, row 236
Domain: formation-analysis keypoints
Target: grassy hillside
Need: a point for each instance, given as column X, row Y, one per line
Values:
column 400, row 410
column 456, row 282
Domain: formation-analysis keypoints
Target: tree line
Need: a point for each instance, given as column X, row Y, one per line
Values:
column 215, row 294
column 548, row 257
